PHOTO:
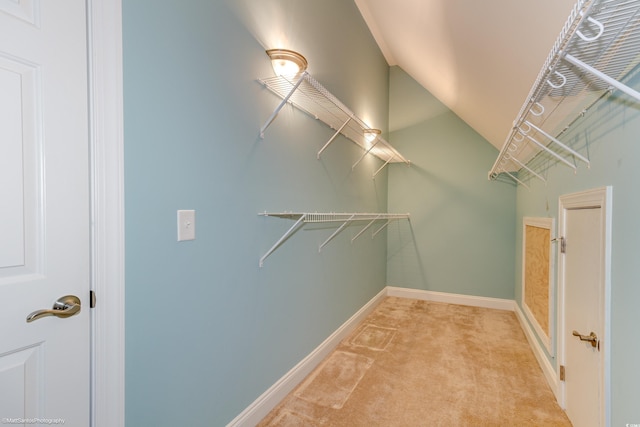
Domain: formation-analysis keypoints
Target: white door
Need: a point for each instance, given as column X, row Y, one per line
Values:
column 44, row 211
column 583, row 266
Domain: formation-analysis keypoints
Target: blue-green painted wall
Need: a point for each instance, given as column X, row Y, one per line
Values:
column 207, row 330
column 608, row 134
column 461, row 236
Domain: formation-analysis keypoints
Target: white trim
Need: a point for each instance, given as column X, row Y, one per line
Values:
column 104, row 19
column 474, row 301
column 546, row 366
column 540, row 333
column 278, row 391
column 598, row 197
column 486, row 302
column 255, row 412
column 270, row 398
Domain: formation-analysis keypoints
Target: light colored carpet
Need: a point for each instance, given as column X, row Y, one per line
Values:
column 420, row 363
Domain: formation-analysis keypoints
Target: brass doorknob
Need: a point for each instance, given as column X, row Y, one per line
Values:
column 592, row 338
column 65, row 306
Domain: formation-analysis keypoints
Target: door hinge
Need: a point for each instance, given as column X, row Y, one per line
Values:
column 562, row 372
column 563, row 243
column 92, row 299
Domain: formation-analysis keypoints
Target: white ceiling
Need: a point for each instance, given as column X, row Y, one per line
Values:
column 478, row 57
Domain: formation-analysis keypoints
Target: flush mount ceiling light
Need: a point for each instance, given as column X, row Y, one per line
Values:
column 286, row 62
column 371, row 134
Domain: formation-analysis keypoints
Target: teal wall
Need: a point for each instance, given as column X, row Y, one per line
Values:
column 207, row 330
column 608, row 134
column 462, row 231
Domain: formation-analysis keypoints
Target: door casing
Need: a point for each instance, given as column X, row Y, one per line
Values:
column 599, row 197
column 107, row 211
column 104, row 71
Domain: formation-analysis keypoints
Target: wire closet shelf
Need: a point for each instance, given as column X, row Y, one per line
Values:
column 342, row 219
column 597, row 49
column 307, row 94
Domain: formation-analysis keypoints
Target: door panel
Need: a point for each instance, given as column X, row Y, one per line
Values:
column 44, row 209
column 583, row 273
column 21, row 189
column 19, row 375
column 584, row 300
column 21, row 9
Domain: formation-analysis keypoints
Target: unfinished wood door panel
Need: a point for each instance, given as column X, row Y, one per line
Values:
column 537, row 280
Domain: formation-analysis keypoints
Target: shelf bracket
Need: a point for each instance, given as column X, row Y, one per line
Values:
column 335, row 233
column 375, row 233
column 365, row 228
column 575, row 153
column 516, row 179
column 550, row 151
column 522, row 165
column 366, row 152
column 284, row 237
column 385, row 164
column 334, row 136
column 282, row 104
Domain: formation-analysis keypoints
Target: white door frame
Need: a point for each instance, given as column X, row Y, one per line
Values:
column 599, row 197
column 104, row 23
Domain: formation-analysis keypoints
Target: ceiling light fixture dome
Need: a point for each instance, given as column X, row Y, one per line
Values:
column 287, row 62
column 371, row 134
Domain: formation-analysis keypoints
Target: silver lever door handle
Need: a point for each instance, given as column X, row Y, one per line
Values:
column 66, row 306
column 592, row 338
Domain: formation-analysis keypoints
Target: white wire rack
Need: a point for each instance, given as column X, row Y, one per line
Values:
column 598, row 47
column 343, row 219
column 307, row 94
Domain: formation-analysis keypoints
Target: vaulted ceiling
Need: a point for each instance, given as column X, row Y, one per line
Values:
column 479, row 58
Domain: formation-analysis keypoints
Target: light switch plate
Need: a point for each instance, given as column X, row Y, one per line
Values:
column 186, row 225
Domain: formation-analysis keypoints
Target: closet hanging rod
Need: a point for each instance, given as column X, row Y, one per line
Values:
column 598, row 47
column 602, row 76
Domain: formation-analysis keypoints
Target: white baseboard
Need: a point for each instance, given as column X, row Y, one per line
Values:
column 255, row 412
column 495, row 303
column 474, row 301
column 547, row 369
column 259, row 409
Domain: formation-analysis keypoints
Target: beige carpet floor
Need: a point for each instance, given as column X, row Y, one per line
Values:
column 420, row 363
